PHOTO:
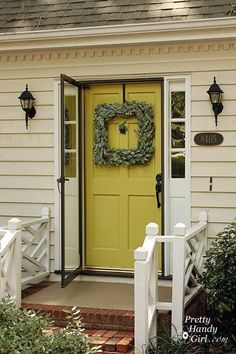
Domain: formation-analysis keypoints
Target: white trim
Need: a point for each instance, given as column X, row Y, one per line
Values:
column 217, row 28
column 57, row 173
column 188, row 149
column 185, row 81
column 167, row 79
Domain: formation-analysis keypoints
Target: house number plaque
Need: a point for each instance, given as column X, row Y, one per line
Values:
column 208, row 139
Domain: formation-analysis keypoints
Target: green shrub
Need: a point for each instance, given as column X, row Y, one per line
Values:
column 23, row 331
column 219, row 279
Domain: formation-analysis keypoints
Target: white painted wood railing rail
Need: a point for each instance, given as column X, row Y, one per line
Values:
column 29, row 259
column 189, row 247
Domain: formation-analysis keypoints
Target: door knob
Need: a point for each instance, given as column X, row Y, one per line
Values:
column 158, row 188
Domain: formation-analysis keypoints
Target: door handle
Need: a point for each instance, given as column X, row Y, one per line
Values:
column 158, row 188
column 60, row 180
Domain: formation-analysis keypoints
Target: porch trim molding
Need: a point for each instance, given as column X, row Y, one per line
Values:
column 149, row 50
column 128, row 34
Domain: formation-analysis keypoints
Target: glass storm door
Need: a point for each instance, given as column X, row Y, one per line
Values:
column 70, row 180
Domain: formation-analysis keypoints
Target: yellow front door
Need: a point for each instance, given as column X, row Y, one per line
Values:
column 120, row 200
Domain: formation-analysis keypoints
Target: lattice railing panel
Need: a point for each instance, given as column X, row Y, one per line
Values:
column 195, row 251
column 35, row 248
column 10, row 261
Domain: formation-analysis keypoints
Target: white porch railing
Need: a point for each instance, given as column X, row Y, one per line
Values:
column 188, row 250
column 24, row 254
column 10, row 261
column 36, row 249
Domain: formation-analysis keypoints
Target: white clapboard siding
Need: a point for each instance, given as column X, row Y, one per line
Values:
column 17, row 126
column 204, row 168
column 223, row 76
column 26, row 196
column 214, row 153
column 207, row 123
column 26, row 182
column 35, row 85
column 213, row 199
column 26, row 140
column 218, row 162
column 26, row 154
column 27, row 168
column 199, row 93
column 219, row 184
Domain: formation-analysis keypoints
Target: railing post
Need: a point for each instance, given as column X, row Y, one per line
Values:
column 202, row 218
column 152, row 233
column 14, row 225
column 45, row 213
column 140, row 299
column 145, row 289
column 178, row 288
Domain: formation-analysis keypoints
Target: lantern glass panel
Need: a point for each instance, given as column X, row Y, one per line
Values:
column 24, row 103
column 215, row 97
column 31, row 103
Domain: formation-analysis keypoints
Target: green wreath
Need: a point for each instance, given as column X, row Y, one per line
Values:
column 146, row 130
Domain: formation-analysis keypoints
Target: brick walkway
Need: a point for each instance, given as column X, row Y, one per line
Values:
column 112, row 341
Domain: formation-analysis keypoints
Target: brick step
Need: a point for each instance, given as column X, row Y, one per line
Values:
column 106, row 319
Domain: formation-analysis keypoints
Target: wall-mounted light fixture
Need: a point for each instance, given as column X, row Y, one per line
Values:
column 215, row 94
column 27, row 104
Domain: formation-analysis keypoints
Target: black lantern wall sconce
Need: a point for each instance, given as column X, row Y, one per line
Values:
column 27, row 103
column 215, row 94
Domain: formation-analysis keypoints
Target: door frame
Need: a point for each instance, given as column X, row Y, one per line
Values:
column 164, row 163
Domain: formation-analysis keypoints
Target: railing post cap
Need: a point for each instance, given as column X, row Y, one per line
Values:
column 152, row 229
column 45, row 212
column 202, row 216
column 180, row 229
column 140, row 254
column 14, row 224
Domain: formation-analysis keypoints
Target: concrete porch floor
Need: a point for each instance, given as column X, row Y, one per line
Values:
column 103, row 293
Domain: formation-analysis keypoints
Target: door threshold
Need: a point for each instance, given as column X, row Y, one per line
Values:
column 108, row 272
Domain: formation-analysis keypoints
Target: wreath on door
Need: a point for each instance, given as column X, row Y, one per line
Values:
column 140, row 155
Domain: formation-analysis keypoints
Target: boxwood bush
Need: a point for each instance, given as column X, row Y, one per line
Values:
column 219, row 278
